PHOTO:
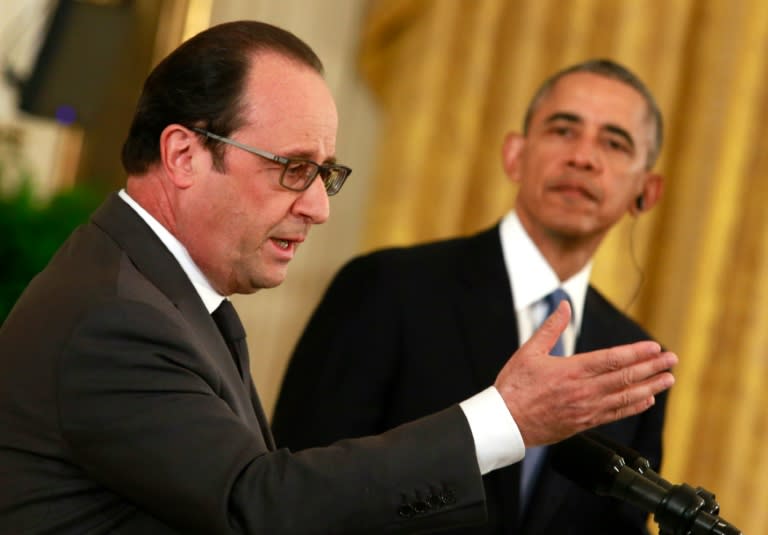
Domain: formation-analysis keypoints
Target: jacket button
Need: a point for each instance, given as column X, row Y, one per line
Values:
column 405, row 510
column 434, row 502
column 420, row 507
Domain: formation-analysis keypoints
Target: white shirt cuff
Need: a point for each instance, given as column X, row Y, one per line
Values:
column 498, row 442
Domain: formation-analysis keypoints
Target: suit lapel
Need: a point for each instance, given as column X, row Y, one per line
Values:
column 486, row 308
column 150, row 256
column 261, row 417
column 597, row 330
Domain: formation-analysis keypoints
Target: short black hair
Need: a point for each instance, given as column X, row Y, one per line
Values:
column 200, row 84
column 609, row 69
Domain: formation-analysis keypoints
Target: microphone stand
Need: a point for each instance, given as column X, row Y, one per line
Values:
column 677, row 509
column 683, row 510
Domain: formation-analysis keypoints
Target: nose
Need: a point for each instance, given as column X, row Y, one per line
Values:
column 312, row 204
column 584, row 154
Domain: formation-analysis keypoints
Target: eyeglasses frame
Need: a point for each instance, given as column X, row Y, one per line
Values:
column 285, row 162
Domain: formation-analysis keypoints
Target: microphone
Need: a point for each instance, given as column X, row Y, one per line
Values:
column 637, row 462
column 678, row 509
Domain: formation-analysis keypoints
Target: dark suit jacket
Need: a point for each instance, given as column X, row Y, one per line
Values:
column 122, row 411
column 402, row 332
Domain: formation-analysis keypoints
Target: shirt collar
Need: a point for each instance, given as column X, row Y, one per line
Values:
column 210, row 297
column 531, row 277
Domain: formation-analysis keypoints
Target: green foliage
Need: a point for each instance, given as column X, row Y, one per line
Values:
column 32, row 230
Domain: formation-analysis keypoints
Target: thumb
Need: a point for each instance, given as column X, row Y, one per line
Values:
column 544, row 339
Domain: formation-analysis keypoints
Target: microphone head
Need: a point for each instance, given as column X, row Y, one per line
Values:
column 633, row 458
column 587, row 463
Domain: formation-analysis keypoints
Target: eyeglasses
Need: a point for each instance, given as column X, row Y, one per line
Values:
column 298, row 173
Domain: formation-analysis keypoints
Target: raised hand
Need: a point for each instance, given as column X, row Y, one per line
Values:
column 554, row 398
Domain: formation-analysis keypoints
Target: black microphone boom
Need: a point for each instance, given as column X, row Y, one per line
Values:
column 636, row 461
column 678, row 509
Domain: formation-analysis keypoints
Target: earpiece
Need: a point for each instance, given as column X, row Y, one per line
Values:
column 640, row 203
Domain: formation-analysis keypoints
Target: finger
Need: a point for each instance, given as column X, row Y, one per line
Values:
column 635, row 399
column 545, row 337
column 619, row 413
column 642, row 370
column 642, row 390
column 622, row 381
column 648, row 368
column 620, row 357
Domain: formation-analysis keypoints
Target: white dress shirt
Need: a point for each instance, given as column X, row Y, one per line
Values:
column 532, row 279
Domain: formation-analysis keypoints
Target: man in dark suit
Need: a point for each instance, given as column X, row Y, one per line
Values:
column 402, row 332
column 126, row 400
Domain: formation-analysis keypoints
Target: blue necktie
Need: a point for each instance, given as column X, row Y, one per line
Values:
column 534, row 457
column 553, row 300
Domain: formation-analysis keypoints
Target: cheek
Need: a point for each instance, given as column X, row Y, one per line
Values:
column 258, row 220
column 623, row 187
column 618, row 201
column 541, row 166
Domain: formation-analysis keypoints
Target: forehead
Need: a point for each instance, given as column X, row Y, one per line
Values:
column 595, row 99
column 289, row 104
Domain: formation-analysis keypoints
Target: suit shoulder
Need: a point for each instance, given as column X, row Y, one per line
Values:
column 599, row 307
column 425, row 254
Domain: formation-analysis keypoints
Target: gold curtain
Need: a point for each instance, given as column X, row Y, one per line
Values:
column 452, row 76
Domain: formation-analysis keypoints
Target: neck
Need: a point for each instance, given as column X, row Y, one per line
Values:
column 567, row 254
column 148, row 191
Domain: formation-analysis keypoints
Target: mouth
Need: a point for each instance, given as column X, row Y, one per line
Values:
column 573, row 189
column 287, row 245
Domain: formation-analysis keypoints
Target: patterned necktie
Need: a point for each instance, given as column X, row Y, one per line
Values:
column 534, row 457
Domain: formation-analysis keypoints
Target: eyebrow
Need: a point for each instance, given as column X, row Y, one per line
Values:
column 305, row 155
column 573, row 118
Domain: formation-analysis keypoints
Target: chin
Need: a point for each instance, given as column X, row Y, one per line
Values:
column 571, row 229
column 271, row 280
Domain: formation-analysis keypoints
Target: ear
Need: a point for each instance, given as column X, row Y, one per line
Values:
column 510, row 155
column 178, row 148
column 653, row 188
